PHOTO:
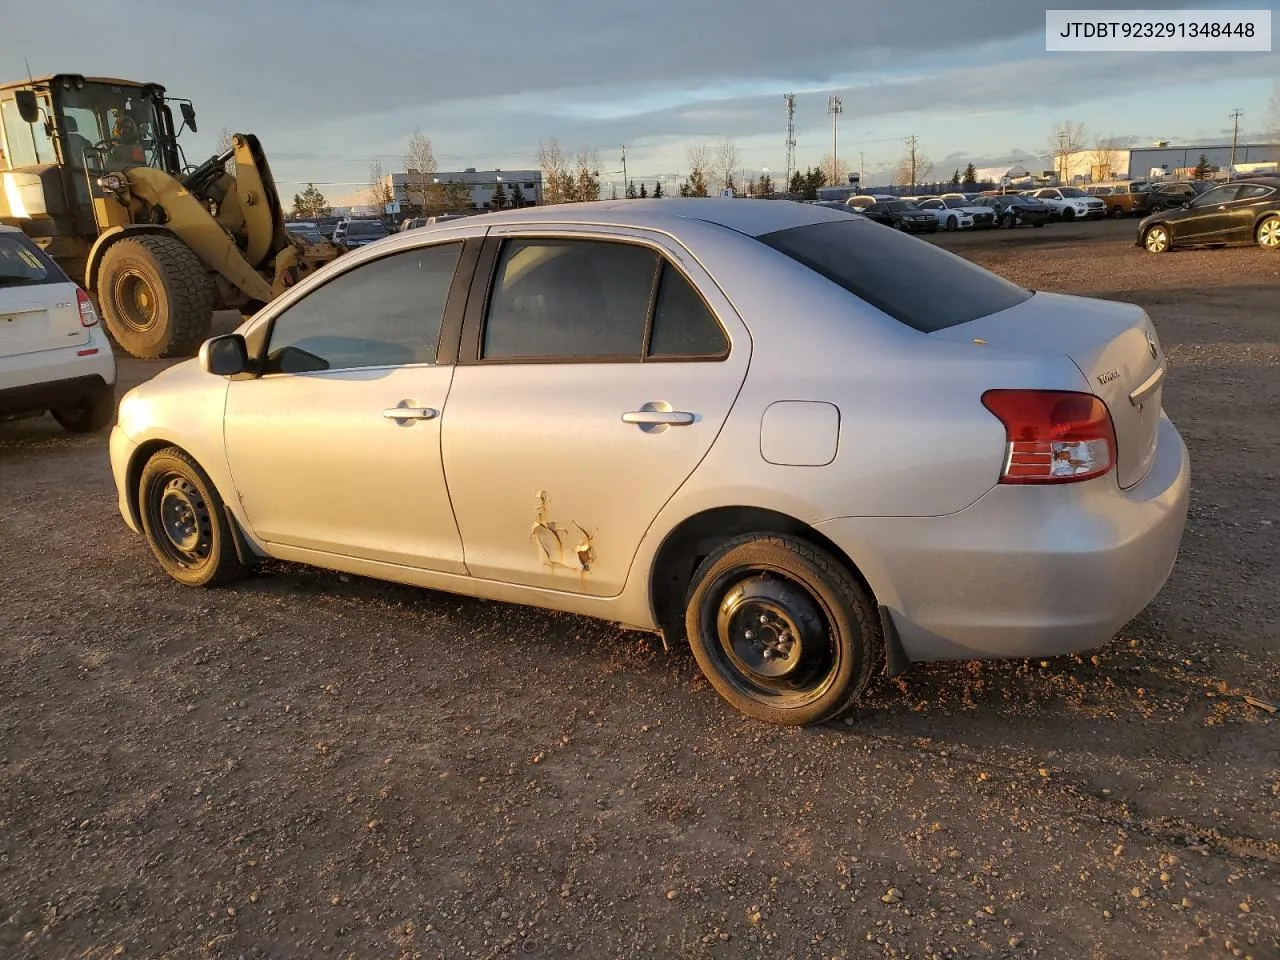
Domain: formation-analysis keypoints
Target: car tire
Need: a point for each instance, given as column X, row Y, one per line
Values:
column 1068, row 214
column 953, row 223
column 1268, row 233
column 901, row 225
column 185, row 521
column 1157, row 239
column 814, row 639
column 1038, row 224
column 157, row 297
column 89, row 415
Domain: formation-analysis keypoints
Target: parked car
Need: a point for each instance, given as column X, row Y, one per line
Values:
column 1013, row 210
column 810, row 496
column 1174, row 193
column 307, row 231
column 327, row 225
column 1071, row 203
column 413, row 223
column 350, row 234
column 1123, row 199
column 956, row 212
column 54, row 355
column 901, row 215
column 864, row 200
column 1243, row 211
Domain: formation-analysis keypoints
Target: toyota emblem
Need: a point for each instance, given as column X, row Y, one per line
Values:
column 1151, row 345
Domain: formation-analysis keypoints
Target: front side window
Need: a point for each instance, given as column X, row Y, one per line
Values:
column 383, row 313
column 28, row 143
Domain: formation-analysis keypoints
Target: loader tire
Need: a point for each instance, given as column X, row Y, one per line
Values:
column 156, row 296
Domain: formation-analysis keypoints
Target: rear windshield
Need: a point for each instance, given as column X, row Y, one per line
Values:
column 23, row 264
column 911, row 280
column 358, row 228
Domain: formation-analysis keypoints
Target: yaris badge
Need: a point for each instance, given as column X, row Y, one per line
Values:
column 1151, row 345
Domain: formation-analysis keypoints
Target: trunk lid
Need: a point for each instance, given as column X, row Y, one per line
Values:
column 1113, row 344
column 42, row 316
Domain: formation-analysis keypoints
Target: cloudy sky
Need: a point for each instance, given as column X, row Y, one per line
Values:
column 329, row 85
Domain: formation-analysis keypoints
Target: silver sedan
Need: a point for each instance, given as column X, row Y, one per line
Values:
column 818, row 449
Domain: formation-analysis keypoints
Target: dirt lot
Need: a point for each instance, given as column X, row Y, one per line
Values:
column 310, row 765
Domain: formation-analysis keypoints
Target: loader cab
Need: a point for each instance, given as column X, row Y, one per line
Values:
column 59, row 133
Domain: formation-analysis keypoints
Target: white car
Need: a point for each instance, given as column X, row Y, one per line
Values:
column 956, row 214
column 1071, row 203
column 817, row 448
column 54, row 355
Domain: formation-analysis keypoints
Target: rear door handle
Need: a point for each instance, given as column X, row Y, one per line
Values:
column 675, row 418
column 410, row 413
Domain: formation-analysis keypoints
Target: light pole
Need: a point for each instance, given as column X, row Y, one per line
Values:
column 835, row 108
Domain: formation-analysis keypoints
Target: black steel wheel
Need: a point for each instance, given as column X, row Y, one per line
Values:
column 782, row 630
column 185, row 522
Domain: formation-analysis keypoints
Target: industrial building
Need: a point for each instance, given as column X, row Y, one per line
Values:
column 481, row 183
column 1163, row 160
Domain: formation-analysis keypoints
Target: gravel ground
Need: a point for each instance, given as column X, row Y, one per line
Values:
column 314, row 765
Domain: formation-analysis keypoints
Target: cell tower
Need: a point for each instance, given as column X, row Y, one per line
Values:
column 790, row 98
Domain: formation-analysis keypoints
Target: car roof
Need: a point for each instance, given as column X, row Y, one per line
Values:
column 5, row 228
column 752, row 217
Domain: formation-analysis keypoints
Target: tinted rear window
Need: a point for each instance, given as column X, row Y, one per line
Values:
column 23, row 264
column 912, row 281
column 366, row 229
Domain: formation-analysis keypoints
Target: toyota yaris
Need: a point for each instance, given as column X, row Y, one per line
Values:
column 816, row 448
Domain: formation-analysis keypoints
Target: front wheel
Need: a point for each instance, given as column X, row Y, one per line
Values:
column 157, row 297
column 952, row 223
column 1157, row 240
column 185, row 522
column 1068, row 214
column 782, row 630
column 1268, row 234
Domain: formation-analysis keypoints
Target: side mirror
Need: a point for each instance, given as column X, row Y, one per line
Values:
column 189, row 115
column 224, row 356
column 28, row 106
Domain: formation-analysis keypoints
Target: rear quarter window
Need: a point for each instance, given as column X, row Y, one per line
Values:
column 23, row 264
column 913, row 281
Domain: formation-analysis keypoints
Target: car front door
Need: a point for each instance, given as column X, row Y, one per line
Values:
column 335, row 447
column 1209, row 217
column 592, row 379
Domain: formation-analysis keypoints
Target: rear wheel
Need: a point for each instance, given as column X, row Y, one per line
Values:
column 782, row 630
column 185, row 521
column 89, row 415
column 156, row 296
column 1157, row 239
column 1268, row 234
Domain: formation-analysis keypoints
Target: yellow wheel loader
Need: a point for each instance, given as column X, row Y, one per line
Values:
column 91, row 169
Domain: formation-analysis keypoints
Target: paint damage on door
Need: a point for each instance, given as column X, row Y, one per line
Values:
column 559, row 544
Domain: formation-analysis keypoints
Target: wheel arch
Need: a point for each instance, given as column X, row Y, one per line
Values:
column 133, row 475
column 686, row 544
column 109, row 237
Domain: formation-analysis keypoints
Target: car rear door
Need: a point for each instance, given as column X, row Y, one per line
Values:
column 38, row 305
column 595, row 371
column 1243, row 210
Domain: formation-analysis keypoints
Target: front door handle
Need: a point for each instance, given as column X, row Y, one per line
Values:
column 674, row 418
column 410, row 413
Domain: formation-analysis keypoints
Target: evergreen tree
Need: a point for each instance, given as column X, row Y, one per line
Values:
column 657, row 190
column 797, row 183
column 765, row 187
column 812, row 181
column 970, row 176
column 1202, row 170
column 644, row 192
column 499, row 200
column 955, row 178
column 457, row 197
column 517, row 196
column 750, row 188
column 310, row 203
column 632, row 194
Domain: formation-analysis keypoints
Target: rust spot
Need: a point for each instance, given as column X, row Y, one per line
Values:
column 550, row 539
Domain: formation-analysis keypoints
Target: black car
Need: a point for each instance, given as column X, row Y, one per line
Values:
column 1243, row 211
column 350, row 234
column 1013, row 210
column 901, row 215
column 1171, row 195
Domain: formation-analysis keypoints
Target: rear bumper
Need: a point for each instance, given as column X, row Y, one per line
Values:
column 1026, row 571
column 53, row 394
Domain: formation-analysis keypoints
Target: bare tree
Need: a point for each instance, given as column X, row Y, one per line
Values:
column 380, row 193
column 1066, row 140
column 726, row 163
column 1273, row 114
column 558, row 184
column 696, row 156
column 914, row 166
column 225, row 144
column 836, row 169
column 587, row 182
column 1101, row 159
column 420, row 185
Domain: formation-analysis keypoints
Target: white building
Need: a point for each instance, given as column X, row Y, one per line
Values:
column 482, row 184
column 1163, row 160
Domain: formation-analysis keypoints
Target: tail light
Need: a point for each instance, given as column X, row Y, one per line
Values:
column 88, row 315
column 1054, row 436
